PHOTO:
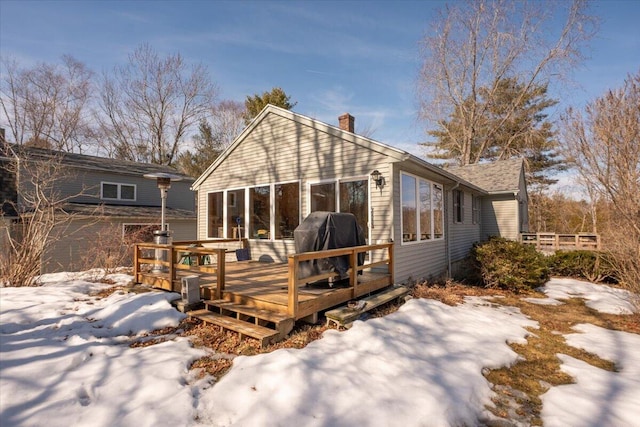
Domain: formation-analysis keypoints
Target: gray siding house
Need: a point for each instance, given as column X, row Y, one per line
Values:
column 102, row 196
column 284, row 166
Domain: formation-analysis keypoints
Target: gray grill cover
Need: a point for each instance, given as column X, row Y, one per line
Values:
column 321, row 231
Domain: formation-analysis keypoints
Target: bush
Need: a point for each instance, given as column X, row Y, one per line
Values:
column 507, row 264
column 590, row 265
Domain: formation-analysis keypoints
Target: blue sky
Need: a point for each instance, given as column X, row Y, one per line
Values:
column 360, row 57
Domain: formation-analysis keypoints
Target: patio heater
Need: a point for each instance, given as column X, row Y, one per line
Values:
column 162, row 236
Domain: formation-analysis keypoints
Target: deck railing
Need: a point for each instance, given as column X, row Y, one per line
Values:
column 162, row 265
column 294, row 269
column 562, row 241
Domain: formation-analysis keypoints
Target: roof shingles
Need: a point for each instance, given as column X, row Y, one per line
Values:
column 499, row 176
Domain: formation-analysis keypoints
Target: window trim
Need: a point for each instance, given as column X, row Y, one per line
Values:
column 432, row 233
column 119, row 191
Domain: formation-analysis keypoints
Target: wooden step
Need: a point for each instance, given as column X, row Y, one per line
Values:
column 268, row 315
column 344, row 316
column 282, row 322
column 264, row 335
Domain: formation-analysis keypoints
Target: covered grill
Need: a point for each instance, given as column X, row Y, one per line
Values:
column 322, row 231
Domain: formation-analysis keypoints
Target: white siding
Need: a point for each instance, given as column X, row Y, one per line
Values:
column 282, row 150
column 500, row 217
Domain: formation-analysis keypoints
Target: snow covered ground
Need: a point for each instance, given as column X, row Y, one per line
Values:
column 66, row 360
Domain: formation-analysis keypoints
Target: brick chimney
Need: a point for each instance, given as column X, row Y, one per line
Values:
column 347, row 122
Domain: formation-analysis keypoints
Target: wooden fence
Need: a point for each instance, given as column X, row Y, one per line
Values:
column 560, row 241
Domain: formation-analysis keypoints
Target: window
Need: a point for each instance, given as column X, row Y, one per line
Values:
column 215, row 214
column 354, row 198
column 438, row 212
column 323, row 197
column 458, row 206
column 235, row 214
column 475, row 207
column 408, row 208
column 287, row 209
column 268, row 212
column 422, row 209
column 425, row 210
column 116, row 191
column 259, row 212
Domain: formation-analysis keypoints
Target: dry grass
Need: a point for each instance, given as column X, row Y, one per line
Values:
column 518, row 387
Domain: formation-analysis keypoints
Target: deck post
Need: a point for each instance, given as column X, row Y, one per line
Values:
column 391, row 262
column 136, row 263
column 292, row 303
column 220, row 272
column 353, row 276
column 172, row 270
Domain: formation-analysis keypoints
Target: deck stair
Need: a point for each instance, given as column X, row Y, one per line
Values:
column 264, row 325
column 344, row 316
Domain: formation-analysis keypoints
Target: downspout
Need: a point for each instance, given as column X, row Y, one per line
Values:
column 446, row 231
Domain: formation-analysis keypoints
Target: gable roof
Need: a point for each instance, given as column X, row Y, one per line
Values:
column 392, row 152
column 502, row 176
column 95, row 163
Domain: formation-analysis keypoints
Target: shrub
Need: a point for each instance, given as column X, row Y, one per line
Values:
column 590, row 265
column 507, row 264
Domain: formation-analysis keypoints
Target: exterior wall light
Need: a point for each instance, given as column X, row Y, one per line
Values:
column 378, row 179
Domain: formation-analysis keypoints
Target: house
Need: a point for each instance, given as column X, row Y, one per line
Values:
column 284, row 166
column 105, row 199
column 505, row 206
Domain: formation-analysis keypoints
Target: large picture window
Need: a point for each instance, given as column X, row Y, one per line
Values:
column 271, row 211
column 260, row 212
column 409, row 207
column 235, row 214
column 348, row 195
column 354, row 198
column 215, row 215
column 422, row 209
column 323, row 197
column 425, row 210
column 287, row 209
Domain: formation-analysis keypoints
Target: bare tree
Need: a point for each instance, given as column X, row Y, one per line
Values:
column 39, row 215
column 47, row 105
column 603, row 144
column 227, row 121
column 149, row 106
column 475, row 46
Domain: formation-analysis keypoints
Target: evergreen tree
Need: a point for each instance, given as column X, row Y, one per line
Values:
column 207, row 147
column 511, row 122
column 254, row 104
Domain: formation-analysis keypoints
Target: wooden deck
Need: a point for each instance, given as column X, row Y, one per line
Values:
column 269, row 294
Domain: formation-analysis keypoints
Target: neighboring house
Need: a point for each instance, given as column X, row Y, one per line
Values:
column 285, row 165
column 106, row 197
